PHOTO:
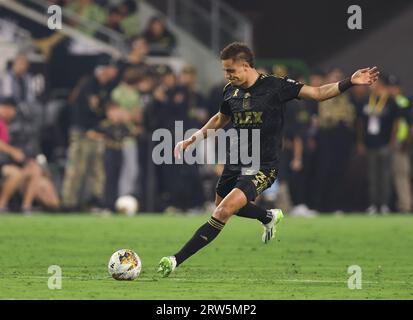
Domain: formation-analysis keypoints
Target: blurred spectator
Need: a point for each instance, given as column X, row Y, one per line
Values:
column 279, row 70
column 160, row 40
column 130, row 21
column 356, row 184
column 19, row 172
column 376, row 137
column 113, row 22
column 85, row 155
column 11, row 174
column 16, row 82
column 126, row 95
column 214, row 98
column 19, row 84
column 197, row 105
column 197, row 112
column 334, row 138
column 135, row 59
column 283, row 195
column 317, row 78
column 298, row 132
column 38, row 187
column 401, row 158
column 173, row 98
column 138, row 53
column 180, row 185
column 146, row 86
column 358, row 96
column 25, row 130
column 26, row 127
column 89, row 11
column 113, row 131
column 296, row 156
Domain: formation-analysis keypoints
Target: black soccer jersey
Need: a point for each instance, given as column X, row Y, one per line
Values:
column 261, row 106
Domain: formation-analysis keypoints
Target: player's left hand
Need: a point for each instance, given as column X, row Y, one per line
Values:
column 182, row 145
column 365, row 76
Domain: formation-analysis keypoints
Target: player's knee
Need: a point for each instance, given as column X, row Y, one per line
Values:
column 223, row 213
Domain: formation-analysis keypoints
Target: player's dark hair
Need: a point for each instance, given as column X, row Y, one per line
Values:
column 238, row 51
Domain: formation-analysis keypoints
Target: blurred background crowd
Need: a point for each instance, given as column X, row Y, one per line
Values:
column 78, row 109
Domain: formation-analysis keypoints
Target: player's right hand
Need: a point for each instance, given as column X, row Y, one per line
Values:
column 182, row 145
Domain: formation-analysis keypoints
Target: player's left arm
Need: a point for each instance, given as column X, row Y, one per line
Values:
column 365, row 76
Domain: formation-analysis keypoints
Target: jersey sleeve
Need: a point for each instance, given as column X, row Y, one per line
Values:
column 289, row 89
column 224, row 108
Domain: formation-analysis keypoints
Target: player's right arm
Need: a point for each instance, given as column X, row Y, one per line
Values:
column 218, row 121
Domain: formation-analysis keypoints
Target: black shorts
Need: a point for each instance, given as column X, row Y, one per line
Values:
column 251, row 184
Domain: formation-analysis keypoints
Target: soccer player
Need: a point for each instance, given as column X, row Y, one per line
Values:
column 251, row 100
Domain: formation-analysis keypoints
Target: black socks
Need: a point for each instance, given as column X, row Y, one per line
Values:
column 210, row 230
column 254, row 212
column 204, row 235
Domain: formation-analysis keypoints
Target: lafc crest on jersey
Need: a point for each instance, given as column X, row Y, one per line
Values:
column 246, row 102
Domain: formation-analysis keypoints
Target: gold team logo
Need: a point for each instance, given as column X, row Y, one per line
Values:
column 246, row 102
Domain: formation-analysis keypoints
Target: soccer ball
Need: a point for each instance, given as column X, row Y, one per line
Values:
column 127, row 205
column 124, row 264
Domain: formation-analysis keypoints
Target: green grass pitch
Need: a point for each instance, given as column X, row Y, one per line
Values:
column 309, row 259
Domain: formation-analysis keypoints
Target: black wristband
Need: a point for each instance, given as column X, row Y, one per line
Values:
column 345, row 84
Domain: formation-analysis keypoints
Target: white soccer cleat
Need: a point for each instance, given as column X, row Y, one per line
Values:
column 270, row 227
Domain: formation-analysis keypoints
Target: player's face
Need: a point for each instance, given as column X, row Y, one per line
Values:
column 235, row 71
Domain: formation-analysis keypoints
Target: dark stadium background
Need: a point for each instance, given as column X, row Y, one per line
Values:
column 311, row 30
column 88, row 101
column 311, row 35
